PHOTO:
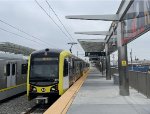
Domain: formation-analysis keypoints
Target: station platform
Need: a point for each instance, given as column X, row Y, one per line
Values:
column 100, row 96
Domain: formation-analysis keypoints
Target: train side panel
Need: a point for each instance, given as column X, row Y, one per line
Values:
column 3, row 83
column 10, row 81
column 63, row 80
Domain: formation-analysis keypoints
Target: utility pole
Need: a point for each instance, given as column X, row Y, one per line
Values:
column 71, row 43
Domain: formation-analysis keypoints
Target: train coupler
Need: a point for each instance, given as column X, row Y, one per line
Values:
column 42, row 99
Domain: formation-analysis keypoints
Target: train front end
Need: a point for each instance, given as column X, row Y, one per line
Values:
column 43, row 75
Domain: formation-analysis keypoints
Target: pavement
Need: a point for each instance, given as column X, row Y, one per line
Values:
column 100, row 96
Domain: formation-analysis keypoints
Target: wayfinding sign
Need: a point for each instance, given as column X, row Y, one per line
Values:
column 94, row 54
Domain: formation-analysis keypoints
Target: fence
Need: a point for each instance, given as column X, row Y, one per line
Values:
column 138, row 80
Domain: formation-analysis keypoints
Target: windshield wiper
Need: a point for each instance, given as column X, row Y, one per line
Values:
column 33, row 82
column 35, row 79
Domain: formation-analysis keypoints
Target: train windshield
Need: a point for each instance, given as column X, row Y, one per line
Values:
column 44, row 70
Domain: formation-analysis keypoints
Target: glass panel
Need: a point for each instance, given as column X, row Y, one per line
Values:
column 44, row 70
column 8, row 70
column 24, row 69
column 65, row 68
column 13, row 69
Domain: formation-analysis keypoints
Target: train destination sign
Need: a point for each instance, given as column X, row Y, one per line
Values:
column 94, row 54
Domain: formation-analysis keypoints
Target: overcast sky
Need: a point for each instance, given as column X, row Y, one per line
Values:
column 29, row 17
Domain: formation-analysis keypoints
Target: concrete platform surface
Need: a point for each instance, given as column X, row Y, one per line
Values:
column 100, row 96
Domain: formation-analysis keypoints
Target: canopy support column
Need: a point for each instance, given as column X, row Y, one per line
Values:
column 122, row 62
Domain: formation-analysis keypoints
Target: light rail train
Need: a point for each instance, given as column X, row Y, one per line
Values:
column 13, row 71
column 52, row 72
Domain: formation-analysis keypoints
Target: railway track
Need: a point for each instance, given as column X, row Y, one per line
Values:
column 40, row 108
column 12, row 97
column 30, row 110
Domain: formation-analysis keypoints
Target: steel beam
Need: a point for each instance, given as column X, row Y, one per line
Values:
column 108, row 72
column 91, row 40
column 124, row 6
column 94, row 33
column 122, row 63
column 111, row 17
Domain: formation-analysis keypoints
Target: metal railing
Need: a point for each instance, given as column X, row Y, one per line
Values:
column 138, row 80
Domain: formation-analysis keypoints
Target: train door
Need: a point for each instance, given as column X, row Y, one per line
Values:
column 13, row 74
column 8, row 74
column 66, row 74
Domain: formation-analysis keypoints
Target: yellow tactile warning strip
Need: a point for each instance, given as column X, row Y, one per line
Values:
column 63, row 103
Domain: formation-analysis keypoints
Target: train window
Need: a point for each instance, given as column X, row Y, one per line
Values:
column 24, row 69
column 13, row 69
column 65, row 67
column 71, row 63
column 8, row 70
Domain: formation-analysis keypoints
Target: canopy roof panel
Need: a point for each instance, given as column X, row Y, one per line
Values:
column 15, row 48
column 92, row 45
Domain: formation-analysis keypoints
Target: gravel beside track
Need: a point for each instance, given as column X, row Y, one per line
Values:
column 16, row 105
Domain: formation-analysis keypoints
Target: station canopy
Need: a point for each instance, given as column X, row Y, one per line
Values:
column 15, row 48
column 92, row 45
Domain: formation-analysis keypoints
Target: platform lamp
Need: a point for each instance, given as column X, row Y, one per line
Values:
column 71, row 43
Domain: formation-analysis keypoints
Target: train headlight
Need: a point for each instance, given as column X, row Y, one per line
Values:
column 53, row 89
column 34, row 89
column 56, row 80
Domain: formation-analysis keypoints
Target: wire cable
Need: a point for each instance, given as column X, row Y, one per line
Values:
column 61, row 22
column 59, row 19
column 19, row 35
column 54, row 21
column 51, row 19
column 24, row 32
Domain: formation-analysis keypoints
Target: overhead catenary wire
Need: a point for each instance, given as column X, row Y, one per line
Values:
column 55, row 22
column 59, row 19
column 25, row 32
column 51, row 19
column 61, row 22
column 18, row 35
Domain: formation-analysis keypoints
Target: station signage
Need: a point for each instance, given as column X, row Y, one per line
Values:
column 95, row 54
column 124, row 63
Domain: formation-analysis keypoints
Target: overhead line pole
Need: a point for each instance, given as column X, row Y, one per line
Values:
column 71, row 43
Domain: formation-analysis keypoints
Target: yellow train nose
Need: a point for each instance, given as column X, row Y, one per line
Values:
column 43, row 89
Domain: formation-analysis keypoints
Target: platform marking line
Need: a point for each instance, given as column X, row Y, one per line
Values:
column 5, row 89
column 62, row 105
